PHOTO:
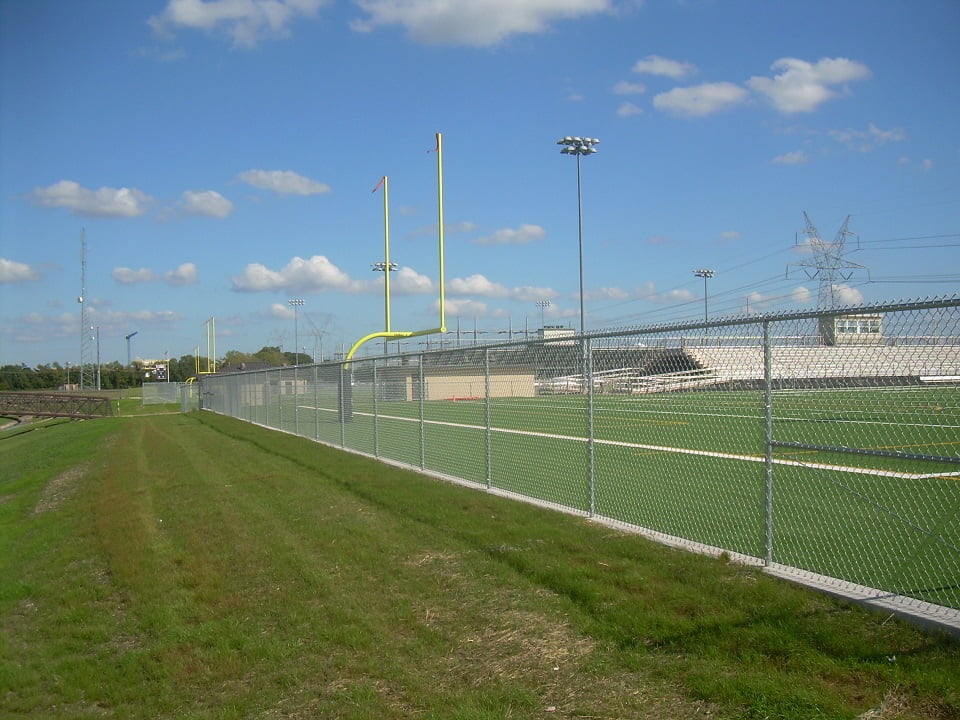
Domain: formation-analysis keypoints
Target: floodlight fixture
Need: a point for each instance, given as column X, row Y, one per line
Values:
column 704, row 273
column 579, row 146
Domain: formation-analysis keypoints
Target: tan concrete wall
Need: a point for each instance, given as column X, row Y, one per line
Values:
column 453, row 383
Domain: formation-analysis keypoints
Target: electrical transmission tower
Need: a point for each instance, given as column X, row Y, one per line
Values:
column 88, row 379
column 828, row 265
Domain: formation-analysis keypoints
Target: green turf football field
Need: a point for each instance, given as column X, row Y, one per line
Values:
column 692, row 465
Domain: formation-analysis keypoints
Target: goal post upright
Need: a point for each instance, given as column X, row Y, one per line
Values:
column 387, row 333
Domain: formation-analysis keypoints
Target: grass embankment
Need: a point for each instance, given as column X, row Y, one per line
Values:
column 195, row 566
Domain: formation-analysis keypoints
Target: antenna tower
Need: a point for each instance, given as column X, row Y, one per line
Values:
column 828, row 264
column 87, row 370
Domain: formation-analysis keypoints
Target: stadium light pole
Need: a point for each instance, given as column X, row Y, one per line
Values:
column 296, row 303
column 386, row 268
column 704, row 273
column 579, row 146
column 128, row 344
column 542, row 304
column 98, row 356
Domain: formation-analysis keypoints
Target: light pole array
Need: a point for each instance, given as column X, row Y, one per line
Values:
column 386, row 268
column 579, row 146
column 296, row 303
column 98, row 355
column 703, row 273
column 128, row 344
column 542, row 304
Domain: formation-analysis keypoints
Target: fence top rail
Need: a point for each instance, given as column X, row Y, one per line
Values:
column 758, row 320
column 786, row 316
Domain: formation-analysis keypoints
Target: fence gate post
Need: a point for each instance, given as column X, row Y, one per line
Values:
column 279, row 399
column 486, row 377
column 342, row 404
column 588, row 366
column 768, row 439
column 423, row 390
column 316, row 402
column 376, row 413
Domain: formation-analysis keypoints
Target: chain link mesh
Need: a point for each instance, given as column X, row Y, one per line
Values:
column 827, row 442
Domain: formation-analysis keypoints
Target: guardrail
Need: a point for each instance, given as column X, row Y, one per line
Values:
column 35, row 404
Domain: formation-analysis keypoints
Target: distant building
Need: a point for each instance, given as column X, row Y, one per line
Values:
column 554, row 332
column 851, row 330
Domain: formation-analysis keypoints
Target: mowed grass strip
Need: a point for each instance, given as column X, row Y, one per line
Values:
column 197, row 566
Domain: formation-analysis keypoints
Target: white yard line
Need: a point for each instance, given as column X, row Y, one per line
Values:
column 853, row 470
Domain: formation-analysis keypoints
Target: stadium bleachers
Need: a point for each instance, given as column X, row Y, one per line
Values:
column 746, row 363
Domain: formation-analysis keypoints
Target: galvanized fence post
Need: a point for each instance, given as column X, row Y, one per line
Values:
column 486, row 376
column 376, row 413
column 342, row 400
column 296, row 395
column 316, row 402
column 423, row 390
column 279, row 399
column 588, row 364
column 768, row 440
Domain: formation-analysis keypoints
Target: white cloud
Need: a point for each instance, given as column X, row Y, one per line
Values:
column 926, row 164
column 608, row 293
column 425, row 231
column 315, row 274
column 508, row 236
column 656, row 65
column 246, row 21
column 463, row 308
column 480, row 285
column 846, row 295
column 528, row 293
column 477, row 285
column 206, row 202
column 801, row 295
column 869, row 139
column 144, row 317
column 105, row 202
column 755, row 301
column 129, row 276
column 185, row 274
column 797, row 157
column 477, row 23
column 700, row 100
column 460, row 227
column 649, row 292
column 628, row 88
column 112, row 323
column 285, row 182
column 801, row 86
column 280, row 311
column 12, row 272
column 407, row 281
column 628, row 109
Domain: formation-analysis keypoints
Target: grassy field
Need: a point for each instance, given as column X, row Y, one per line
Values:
column 691, row 465
column 195, row 566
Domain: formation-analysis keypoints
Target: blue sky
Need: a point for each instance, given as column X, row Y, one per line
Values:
column 220, row 158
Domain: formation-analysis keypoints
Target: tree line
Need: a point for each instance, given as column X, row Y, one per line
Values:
column 116, row 376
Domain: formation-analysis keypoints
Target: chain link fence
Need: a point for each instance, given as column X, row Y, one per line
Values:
column 156, row 393
column 825, row 444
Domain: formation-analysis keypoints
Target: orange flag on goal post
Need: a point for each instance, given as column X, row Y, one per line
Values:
column 379, row 184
